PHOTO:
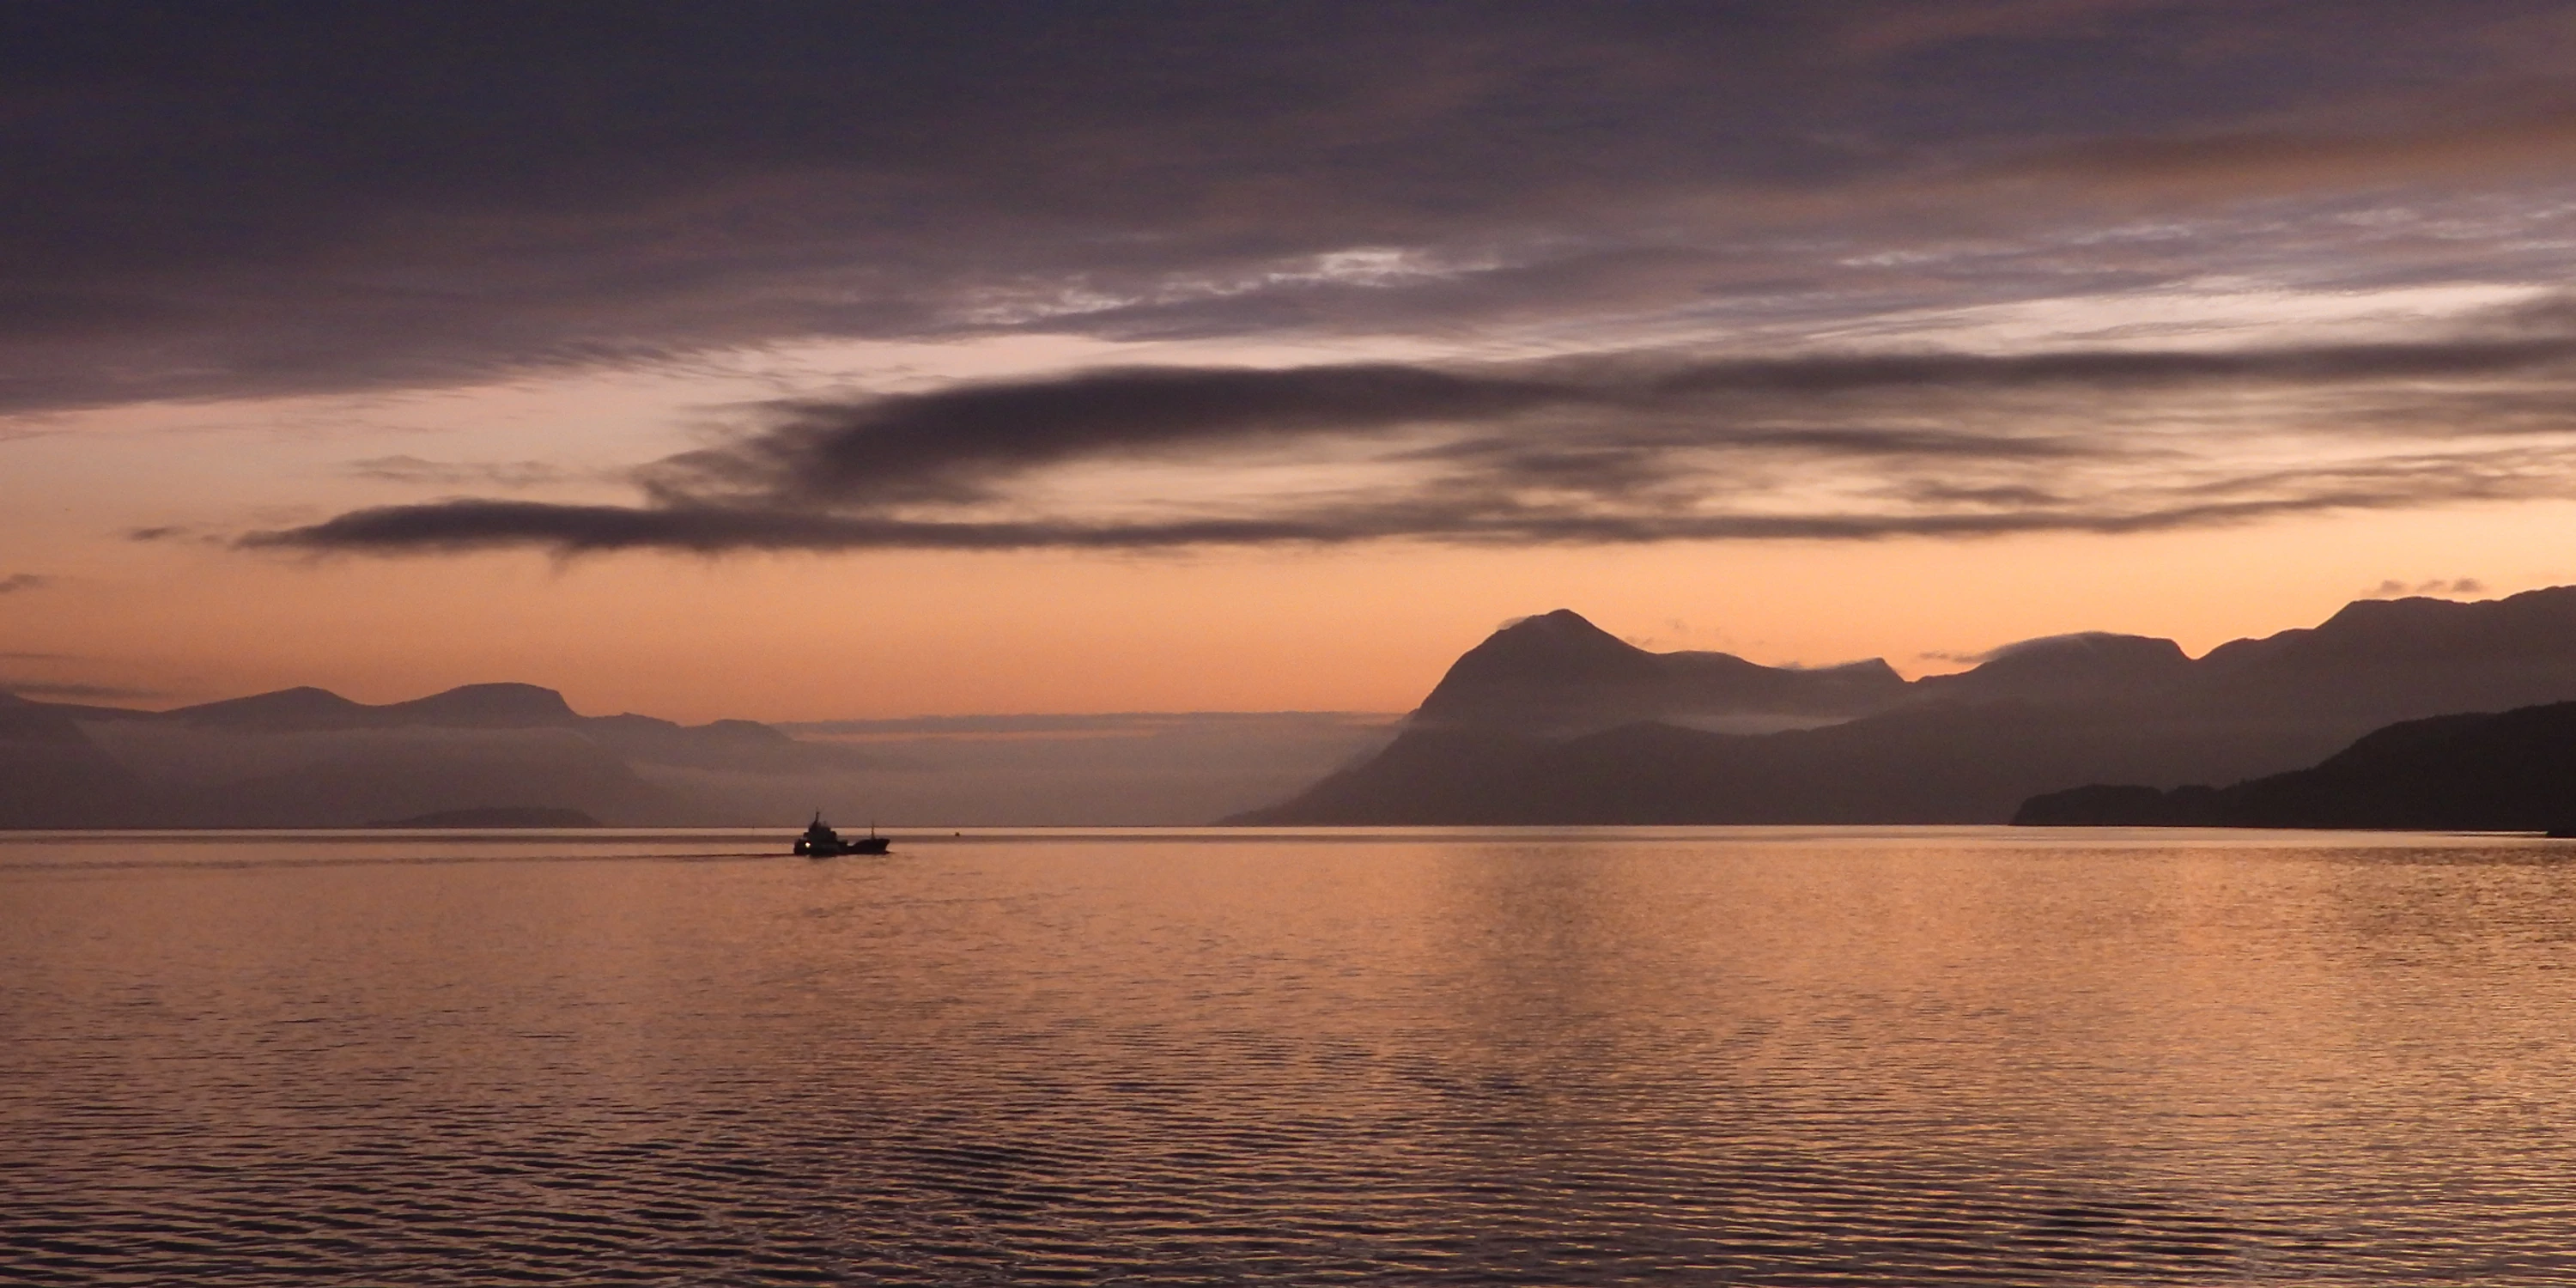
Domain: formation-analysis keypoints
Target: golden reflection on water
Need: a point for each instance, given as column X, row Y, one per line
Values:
column 1766, row 1055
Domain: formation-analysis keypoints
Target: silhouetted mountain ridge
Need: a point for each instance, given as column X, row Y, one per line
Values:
column 1554, row 721
column 308, row 757
column 500, row 706
column 302, row 707
column 1557, row 672
column 2091, row 662
column 306, row 708
column 651, row 739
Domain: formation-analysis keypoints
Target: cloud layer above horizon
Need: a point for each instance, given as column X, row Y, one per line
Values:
column 1636, row 447
column 1698, row 270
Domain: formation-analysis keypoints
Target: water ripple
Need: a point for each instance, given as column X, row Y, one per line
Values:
column 1669, row 1058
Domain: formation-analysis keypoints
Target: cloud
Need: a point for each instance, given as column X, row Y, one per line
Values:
column 951, row 445
column 74, row 692
column 1643, row 447
column 18, row 581
column 1669, row 197
column 412, row 197
column 468, row 525
column 413, row 469
column 2393, row 588
column 2459, row 140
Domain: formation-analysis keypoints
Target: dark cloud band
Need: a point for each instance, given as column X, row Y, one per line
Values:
column 237, row 200
column 455, row 526
column 1641, row 448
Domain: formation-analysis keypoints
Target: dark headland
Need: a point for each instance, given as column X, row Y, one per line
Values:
column 2502, row 772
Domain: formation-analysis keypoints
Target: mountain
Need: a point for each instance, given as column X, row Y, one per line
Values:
column 738, row 745
column 2091, row 664
column 1558, row 673
column 1941, row 763
column 496, row 706
column 1552, row 720
column 2510, row 771
column 53, row 775
column 645, row 739
column 307, row 757
column 304, row 707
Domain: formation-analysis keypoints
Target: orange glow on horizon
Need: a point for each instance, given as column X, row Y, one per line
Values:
column 1357, row 629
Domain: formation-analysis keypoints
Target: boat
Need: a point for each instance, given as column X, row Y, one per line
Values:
column 821, row 842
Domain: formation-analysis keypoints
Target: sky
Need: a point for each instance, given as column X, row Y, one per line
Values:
column 817, row 361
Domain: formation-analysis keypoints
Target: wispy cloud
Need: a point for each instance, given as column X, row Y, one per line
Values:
column 18, row 581
column 1644, row 447
column 2393, row 588
column 500, row 474
column 73, row 691
column 168, row 532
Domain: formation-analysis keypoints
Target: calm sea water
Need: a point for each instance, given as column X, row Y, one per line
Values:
column 1753, row 1056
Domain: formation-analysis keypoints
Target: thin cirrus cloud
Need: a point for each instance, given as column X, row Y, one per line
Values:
column 1600, row 450
column 18, row 581
column 73, row 691
column 415, row 470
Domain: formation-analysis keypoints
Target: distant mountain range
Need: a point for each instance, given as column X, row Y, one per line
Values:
column 485, row 754
column 2507, row 771
column 307, row 757
column 1552, row 720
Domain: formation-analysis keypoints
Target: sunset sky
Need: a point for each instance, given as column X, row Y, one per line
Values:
column 802, row 361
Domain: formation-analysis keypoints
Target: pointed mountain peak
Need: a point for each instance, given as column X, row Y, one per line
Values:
column 1560, row 633
column 1551, row 653
column 1557, row 641
column 1562, row 619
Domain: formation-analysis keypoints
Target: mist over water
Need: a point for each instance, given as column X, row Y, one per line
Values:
column 1759, row 1056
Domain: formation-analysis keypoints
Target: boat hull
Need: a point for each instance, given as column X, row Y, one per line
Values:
column 835, row 849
